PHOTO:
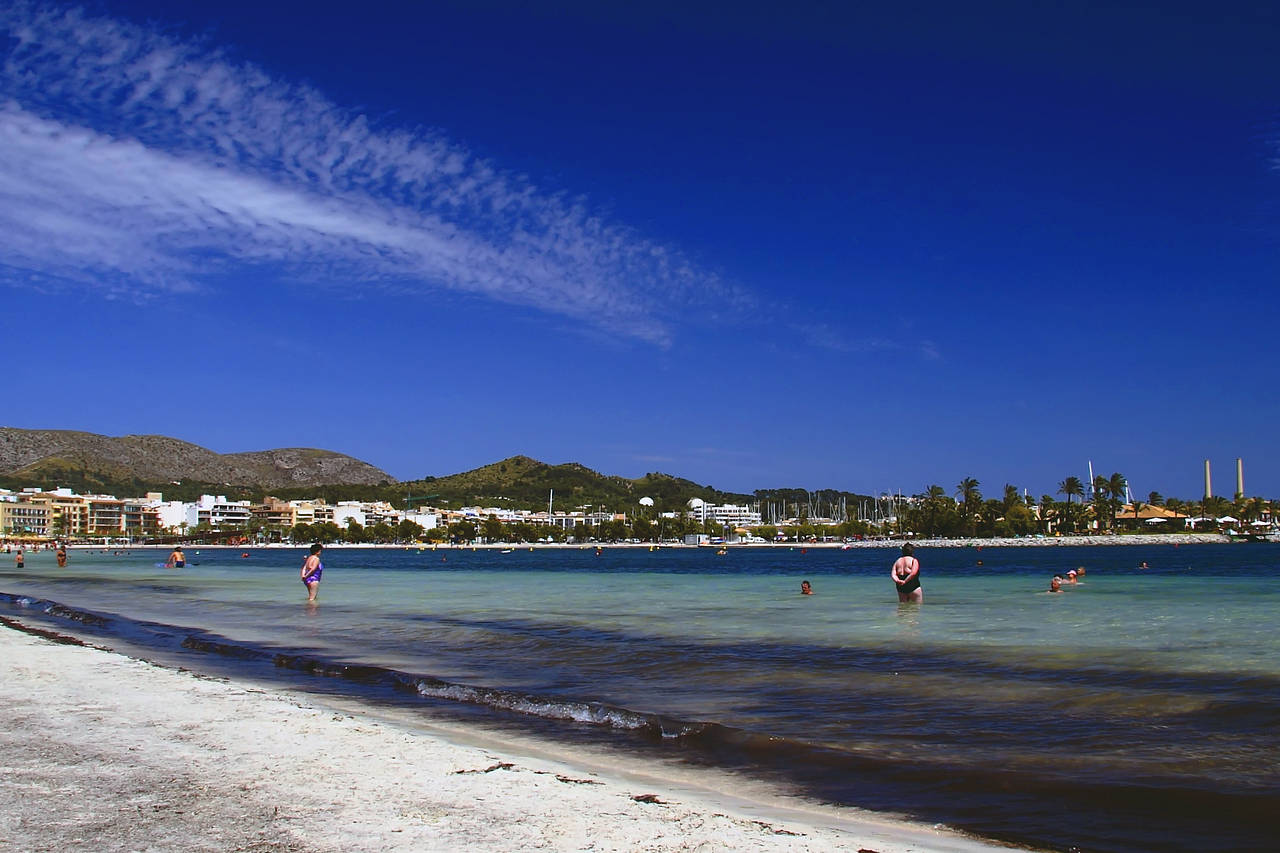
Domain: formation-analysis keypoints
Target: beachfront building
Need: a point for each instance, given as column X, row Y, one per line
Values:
column 728, row 515
column 63, row 513
column 423, row 518
column 1152, row 517
column 132, row 516
column 21, row 518
column 370, row 513
column 221, row 514
column 380, row 512
column 346, row 512
column 560, row 519
column 279, row 514
column 71, row 516
column 273, row 512
column 176, row 515
column 563, row 520
column 213, row 511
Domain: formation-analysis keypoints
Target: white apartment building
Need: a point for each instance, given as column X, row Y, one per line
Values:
column 728, row 515
column 369, row 513
column 345, row 511
column 175, row 514
column 380, row 512
column 426, row 520
column 218, row 512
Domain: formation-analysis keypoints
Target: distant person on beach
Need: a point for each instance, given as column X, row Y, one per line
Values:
column 18, row 560
column 62, row 556
column 1055, row 585
column 1071, row 576
column 806, row 588
column 311, row 570
column 906, row 575
column 177, row 559
column 1144, row 565
column 1080, row 571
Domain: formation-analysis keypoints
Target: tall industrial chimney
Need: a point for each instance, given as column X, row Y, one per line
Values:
column 1239, row 476
column 1208, row 483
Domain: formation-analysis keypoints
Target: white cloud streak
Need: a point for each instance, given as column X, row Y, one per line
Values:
column 824, row 336
column 138, row 164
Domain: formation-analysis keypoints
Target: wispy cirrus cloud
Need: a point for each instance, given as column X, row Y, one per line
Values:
column 138, row 164
column 825, row 336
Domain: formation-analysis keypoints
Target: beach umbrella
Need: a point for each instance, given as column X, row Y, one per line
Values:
column 1226, row 518
column 1156, row 520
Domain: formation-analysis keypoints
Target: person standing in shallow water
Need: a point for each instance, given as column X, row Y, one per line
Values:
column 906, row 575
column 311, row 570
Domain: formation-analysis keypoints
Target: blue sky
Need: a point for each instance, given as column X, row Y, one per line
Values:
column 755, row 245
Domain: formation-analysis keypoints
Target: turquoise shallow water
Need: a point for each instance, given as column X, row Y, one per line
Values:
column 1137, row 710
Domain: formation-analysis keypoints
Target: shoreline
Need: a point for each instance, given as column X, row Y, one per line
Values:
column 104, row 751
column 1008, row 542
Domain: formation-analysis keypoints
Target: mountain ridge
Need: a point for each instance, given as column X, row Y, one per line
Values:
column 37, row 453
column 132, row 465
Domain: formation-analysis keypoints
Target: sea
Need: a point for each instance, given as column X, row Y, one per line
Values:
column 1137, row 710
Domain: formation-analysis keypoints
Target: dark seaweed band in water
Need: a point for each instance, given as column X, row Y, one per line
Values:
column 1006, row 804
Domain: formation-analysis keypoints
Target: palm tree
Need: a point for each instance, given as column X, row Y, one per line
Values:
column 1238, row 506
column 1071, row 486
column 1010, row 497
column 1101, row 502
column 1138, row 506
column 967, row 491
column 933, row 498
column 1253, row 509
column 1113, row 489
column 1048, row 512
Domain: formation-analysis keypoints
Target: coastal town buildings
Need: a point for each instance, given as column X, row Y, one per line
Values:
column 34, row 513
column 63, row 513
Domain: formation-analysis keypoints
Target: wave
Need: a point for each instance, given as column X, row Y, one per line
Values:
column 1039, row 808
column 427, row 686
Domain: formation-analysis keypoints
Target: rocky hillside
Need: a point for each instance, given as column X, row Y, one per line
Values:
column 39, row 453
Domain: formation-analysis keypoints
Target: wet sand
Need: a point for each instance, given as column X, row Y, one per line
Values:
column 99, row 751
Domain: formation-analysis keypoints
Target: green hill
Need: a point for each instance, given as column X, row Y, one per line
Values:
column 516, row 483
column 523, row 483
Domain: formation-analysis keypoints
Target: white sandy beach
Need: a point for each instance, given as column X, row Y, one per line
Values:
column 99, row 751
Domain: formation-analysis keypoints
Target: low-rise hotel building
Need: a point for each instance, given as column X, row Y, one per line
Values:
column 62, row 512
column 31, row 517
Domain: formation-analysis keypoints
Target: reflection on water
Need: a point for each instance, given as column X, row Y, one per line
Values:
column 909, row 617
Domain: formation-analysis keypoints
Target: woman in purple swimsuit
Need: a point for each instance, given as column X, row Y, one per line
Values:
column 311, row 570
